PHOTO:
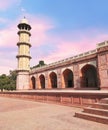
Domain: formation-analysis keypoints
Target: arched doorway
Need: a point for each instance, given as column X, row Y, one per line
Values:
column 42, row 81
column 68, row 78
column 33, row 81
column 89, row 76
column 53, row 80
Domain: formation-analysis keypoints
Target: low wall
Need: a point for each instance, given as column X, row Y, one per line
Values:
column 77, row 99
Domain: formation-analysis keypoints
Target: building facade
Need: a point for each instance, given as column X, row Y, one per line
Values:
column 86, row 71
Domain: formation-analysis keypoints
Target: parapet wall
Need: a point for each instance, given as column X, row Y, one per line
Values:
column 77, row 99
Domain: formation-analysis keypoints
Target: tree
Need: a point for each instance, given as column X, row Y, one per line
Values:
column 12, row 77
column 41, row 63
column 8, row 82
column 3, row 81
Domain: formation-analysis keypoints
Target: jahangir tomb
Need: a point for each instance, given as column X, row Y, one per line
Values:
column 85, row 71
column 79, row 81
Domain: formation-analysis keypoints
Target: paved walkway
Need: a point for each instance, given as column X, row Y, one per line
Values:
column 18, row 114
column 64, row 90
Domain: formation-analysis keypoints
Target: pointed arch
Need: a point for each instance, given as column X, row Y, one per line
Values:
column 89, row 76
column 68, row 78
column 53, row 79
column 42, row 81
column 33, row 81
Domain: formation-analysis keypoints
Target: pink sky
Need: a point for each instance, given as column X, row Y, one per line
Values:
column 5, row 4
column 66, row 44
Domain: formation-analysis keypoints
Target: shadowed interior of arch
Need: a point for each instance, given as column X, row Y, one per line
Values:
column 53, row 80
column 33, row 80
column 42, row 81
column 68, row 78
column 89, row 76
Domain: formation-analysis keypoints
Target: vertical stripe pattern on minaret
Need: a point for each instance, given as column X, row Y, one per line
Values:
column 23, row 81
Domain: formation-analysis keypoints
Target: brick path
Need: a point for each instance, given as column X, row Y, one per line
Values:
column 18, row 114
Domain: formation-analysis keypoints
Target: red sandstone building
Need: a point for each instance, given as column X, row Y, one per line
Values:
column 88, row 70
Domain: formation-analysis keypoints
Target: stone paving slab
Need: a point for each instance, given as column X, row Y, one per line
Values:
column 18, row 114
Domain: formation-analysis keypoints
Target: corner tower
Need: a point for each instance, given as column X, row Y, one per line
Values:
column 23, row 81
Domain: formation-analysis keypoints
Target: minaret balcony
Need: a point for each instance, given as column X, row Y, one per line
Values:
column 24, row 25
column 24, row 43
column 23, row 56
column 23, row 70
column 24, row 31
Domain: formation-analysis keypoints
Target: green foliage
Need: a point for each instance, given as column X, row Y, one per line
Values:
column 41, row 63
column 8, row 82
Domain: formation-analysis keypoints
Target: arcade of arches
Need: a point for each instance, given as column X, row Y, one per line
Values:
column 87, row 79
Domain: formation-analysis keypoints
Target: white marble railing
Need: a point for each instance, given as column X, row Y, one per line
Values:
column 102, row 44
column 65, row 60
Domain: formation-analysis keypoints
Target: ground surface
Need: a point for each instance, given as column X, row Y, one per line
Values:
column 18, row 114
column 64, row 90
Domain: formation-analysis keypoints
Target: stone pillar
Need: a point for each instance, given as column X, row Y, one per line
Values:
column 59, row 78
column 103, row 66
column 37, row 81
column 31, row 86
column 76, row 76
column 47, row 81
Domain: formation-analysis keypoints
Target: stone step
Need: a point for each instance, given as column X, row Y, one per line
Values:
column 102, row 112
column 100, row 105
column 104, row 100
column 92, row 117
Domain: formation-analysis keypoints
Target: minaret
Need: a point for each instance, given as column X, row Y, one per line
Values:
column 23, row 80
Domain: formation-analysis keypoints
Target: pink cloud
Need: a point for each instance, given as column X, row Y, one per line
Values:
column 8, row 62
column 66, row 44
column 9, row 39
column 5, row 4
column 67, row 48
column 5, row 69
column 3, row 20
column 40, row 27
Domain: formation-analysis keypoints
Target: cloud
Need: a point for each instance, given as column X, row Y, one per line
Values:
column 68, row 45
column 47, row 44
column 7, row 61
column 3, row 20
column 23, row 10
column 40, row 28
column 9, row 39
column 5, row 70
column 5, row 4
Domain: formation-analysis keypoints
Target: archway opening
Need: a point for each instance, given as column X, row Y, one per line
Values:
column 68, row 78
column 33, row 82
column 89, row 77
column 42, row 81
column 53, row 80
